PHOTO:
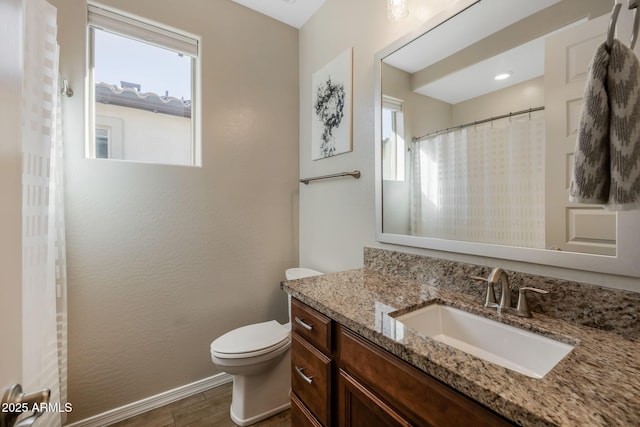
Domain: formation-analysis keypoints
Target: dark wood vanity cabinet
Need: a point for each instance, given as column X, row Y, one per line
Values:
column 360, row 407
column 341, row 379
column 311, row 367
column 407, row 396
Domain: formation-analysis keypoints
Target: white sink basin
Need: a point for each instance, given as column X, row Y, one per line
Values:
column 513, row 348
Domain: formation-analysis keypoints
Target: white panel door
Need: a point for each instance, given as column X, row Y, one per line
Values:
column 570, row 226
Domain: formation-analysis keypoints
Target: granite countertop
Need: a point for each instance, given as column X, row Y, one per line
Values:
column 597, row 384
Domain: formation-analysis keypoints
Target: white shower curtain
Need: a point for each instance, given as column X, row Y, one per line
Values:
column 43, row 243
column 483, row 183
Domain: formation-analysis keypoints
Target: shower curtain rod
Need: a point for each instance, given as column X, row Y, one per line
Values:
column 459, row 127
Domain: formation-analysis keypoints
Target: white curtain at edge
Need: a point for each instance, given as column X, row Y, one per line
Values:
column 484, row 183
column 43, row 259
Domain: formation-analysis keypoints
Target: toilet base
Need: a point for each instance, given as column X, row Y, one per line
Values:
column 260, row 417
column 256, row 397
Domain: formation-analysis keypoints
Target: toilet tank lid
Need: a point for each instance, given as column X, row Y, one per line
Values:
column 300, row 273
column 251, row 338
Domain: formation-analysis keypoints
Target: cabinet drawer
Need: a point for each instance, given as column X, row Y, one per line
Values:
column 424, row 400
column 311, row 378
column 315, row 327
column 300, row 415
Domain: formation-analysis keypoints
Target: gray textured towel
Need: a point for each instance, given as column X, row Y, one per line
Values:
column 607, row 155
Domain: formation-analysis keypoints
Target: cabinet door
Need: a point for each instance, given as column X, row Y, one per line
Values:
column 359, row 407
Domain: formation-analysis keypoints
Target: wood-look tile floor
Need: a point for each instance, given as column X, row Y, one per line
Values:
column 207, row 409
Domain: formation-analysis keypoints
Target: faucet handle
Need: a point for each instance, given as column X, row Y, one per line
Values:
column 523, row 307
column 491, row 296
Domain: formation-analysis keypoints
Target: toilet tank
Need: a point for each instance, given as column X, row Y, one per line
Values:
column 298, row 273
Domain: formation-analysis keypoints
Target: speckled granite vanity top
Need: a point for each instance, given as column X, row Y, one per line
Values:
column 597, row 384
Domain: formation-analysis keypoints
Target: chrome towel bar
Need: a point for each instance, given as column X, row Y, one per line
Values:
column 355, row 174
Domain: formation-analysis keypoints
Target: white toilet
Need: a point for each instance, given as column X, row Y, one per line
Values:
column 258, row 356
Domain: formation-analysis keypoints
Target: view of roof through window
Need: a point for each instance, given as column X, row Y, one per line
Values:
column 121, row 62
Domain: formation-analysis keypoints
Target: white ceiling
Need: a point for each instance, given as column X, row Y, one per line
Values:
column 482, row 20
column 291, row 12
column 523, row 63
column 489, row 16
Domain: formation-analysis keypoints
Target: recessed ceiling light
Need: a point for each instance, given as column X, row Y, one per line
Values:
column 502, row 76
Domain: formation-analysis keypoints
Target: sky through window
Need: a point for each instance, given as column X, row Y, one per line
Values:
column 155, row 69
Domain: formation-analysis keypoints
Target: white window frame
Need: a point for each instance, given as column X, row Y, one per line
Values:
column 146, row 31
column 398, row 160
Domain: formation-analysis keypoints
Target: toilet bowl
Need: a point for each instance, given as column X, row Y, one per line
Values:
column 258, row 357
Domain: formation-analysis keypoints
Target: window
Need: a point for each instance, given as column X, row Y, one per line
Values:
column 143, row 90
column 108, row 137
column 102, row 143
column 393, row 145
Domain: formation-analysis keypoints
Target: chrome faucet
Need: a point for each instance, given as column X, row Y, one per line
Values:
column 498, row 275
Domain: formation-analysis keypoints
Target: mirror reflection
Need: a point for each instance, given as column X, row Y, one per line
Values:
column 478, row 127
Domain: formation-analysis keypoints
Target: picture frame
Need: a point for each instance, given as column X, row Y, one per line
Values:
column 331, row 109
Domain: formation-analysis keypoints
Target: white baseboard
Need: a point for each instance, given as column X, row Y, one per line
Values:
column 153, row 402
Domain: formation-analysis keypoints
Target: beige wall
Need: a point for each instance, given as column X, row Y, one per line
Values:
column 163, row 259
column 423, row 114
column 11, row 193
column 337, row 218
column 528, row 94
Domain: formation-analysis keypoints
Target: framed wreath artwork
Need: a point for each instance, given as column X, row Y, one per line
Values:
column 331, row 110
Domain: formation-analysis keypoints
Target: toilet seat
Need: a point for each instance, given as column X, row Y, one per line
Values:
column 251, row 341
